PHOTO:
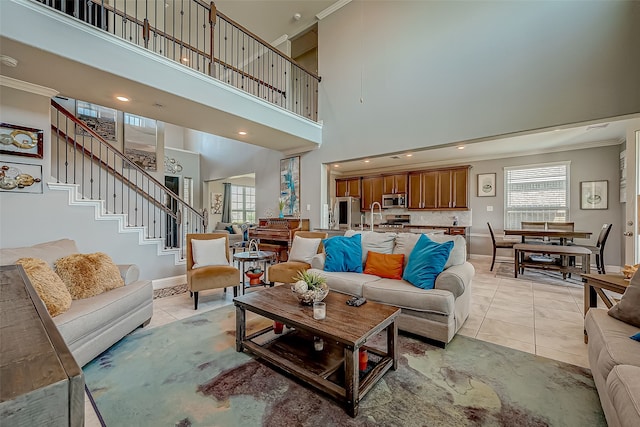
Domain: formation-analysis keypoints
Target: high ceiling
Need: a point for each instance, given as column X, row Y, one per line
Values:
column 274, row 19
column 277, row 20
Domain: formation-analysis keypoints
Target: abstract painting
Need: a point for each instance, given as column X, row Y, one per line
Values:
column 290, row 185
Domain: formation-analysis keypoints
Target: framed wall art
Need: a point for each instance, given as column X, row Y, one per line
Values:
column 101, row 120
column 486, row 185
column 21, row 141
column 593, row 195
column 20, row 177
column 290, row 185
column 140, row 135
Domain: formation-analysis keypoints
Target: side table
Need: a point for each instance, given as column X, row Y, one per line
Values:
column 594, row 284
column 266, row 257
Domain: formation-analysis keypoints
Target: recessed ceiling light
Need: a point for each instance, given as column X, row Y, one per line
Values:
column 122, row 98
column 409, row 155
column 367, row 161
column 336, row 166
column 599, row 126
column 460, row 147
column 242, row 132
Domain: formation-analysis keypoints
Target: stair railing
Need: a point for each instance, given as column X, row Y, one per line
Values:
column 197, row 35
column 81, row 156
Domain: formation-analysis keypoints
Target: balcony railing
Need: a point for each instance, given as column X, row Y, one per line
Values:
column 197, row 35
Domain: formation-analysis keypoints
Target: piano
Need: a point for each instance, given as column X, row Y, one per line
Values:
column 276, row 234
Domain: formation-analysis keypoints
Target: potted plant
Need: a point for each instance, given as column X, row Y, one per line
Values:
column 310, row 287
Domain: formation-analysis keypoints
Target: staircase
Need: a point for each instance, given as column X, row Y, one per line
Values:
column 96, row 174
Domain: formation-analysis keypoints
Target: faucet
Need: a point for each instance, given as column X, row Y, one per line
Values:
column 373, row 205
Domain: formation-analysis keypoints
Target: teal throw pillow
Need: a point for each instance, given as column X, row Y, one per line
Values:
column 426, row 261
column 229, row 229
column 344, row 254
column 635, row 337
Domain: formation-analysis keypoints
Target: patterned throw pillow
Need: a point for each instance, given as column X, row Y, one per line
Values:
column 50, row 288
column 88, row 275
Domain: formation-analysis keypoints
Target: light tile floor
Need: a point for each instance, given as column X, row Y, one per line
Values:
column 540, row 317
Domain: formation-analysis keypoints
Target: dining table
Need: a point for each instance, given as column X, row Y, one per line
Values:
column 562, row 235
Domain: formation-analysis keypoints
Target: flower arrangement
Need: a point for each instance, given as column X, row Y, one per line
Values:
column 310, row 287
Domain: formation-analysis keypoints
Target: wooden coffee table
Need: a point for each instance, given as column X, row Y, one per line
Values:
column 333, row 370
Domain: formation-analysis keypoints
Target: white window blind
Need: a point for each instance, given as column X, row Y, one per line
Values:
column 536, row 193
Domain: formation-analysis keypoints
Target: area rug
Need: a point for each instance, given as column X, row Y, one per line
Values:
column 170, row 291
column 188, row 373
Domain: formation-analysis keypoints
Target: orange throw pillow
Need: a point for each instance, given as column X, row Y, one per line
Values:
column 384, row 265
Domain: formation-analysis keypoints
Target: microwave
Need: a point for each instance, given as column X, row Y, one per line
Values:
column 394, row 200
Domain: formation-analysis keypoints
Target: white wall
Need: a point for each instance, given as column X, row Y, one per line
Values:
column 223, row 157
column 582, row 168
column 401, row 75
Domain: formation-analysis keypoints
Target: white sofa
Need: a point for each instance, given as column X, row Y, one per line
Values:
column 94, row 324
column 436, row 313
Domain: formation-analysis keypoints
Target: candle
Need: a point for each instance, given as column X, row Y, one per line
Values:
column 319, row 310
column 363, row 359
column 277, row 327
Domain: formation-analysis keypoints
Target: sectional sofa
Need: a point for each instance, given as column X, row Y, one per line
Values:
column 436, row 313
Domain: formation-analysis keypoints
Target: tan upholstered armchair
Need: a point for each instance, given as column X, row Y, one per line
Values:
column 206, row 276
column 285, row 272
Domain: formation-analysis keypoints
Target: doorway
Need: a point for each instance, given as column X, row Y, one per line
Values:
column 171, row 225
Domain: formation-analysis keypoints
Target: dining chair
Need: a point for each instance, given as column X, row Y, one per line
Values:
column 303, row 248
column 208, row 265
column 500, row 243
column 562, row 226
column 598, row 249
column 534, row 225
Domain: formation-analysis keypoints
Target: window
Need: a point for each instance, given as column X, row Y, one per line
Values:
column 243, row 204
column 536, row 193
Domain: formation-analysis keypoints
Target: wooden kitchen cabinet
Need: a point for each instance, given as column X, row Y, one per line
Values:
column 371, row 191
column 394, row 184
column 414, row 195
column 439, row 189
column 349, row 187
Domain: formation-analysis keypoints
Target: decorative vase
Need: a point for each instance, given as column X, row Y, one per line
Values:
column 254, row 278
column 281, row 215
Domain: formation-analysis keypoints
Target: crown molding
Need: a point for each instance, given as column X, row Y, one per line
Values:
column 27, row 87
column 334, row 7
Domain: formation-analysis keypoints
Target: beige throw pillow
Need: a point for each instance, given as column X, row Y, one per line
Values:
column 48, row 285
column 236, row 229
column 628, row 309
column 209, row 252
column 88, row 275
column 303, row 249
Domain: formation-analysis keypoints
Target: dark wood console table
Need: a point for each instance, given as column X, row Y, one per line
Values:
column 40, row 381
column 594, row 285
